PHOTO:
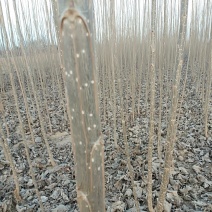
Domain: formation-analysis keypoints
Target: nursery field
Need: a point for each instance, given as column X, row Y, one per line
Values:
column 106, row 106
column 190, row 184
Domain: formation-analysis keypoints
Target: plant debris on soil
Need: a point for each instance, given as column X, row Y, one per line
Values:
column 190, row 184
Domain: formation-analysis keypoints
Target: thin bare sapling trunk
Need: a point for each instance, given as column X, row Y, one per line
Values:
column 208, row 88
column 35, row 93
column 171, row 133
column 152, row 106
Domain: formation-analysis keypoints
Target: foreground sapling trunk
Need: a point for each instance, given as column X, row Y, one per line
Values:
column 83, row 109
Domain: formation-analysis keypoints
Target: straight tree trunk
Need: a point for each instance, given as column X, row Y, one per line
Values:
column 83, row 105
column 171, row 132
